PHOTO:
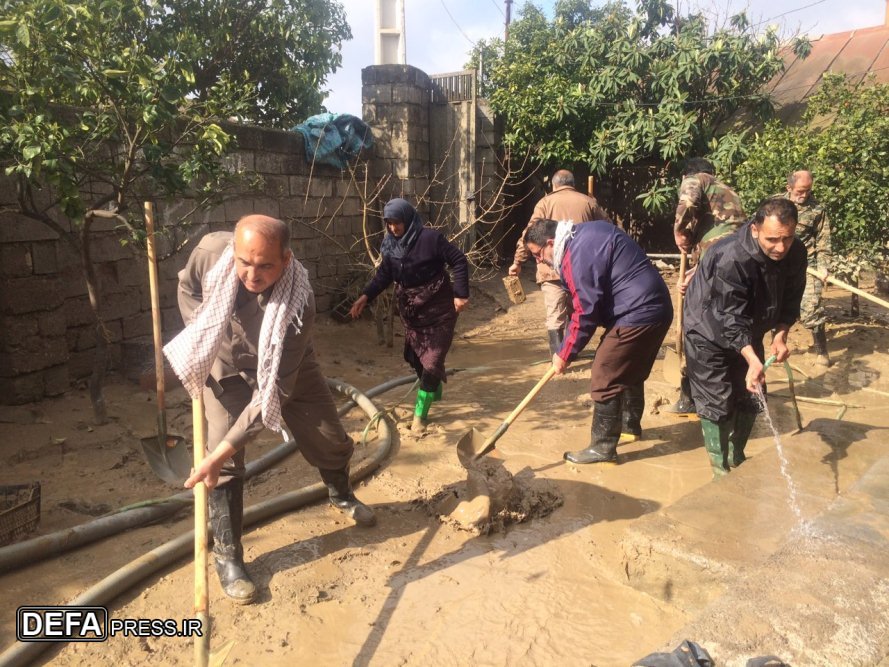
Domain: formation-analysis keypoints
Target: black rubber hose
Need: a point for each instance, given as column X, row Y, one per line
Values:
column 46, row 546
column 22, row 653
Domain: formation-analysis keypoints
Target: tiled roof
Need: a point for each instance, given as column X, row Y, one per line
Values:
column 855, row 53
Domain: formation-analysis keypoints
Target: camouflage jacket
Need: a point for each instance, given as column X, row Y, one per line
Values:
column 705, row 202
column 813, row 229
column 563, row 203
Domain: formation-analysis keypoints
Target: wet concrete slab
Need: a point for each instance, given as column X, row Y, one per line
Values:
column 822, row 598
column 691, row 552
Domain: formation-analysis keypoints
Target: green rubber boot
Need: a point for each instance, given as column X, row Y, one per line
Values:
column 742, row 427
column 716, row 442
column 421, row 410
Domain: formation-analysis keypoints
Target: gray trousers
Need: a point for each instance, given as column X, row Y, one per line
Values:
column 309, row 413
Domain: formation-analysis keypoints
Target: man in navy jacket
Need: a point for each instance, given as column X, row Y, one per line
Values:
column 613, row 285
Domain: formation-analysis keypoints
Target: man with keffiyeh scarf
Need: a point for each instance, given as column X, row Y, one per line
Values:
column 414, row 257
column 613, row 285
column 247, row 348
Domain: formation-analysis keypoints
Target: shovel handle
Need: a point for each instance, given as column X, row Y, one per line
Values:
column 847, row 287
column 155, row 317
column 683, row 265
column 491, row 441
column 201, row 599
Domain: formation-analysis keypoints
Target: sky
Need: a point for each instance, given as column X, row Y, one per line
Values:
column 440, row 33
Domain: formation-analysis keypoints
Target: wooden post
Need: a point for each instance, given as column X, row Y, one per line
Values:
column 201, row 598
column 589, row 186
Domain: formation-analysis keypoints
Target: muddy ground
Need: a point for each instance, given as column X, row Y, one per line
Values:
column 419, row 589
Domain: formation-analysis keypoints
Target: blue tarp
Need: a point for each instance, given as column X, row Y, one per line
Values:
column 334, row 139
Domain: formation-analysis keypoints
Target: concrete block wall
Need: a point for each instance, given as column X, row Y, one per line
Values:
column 47, row 330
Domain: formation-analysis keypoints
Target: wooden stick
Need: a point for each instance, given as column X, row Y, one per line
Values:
column 846, row 286
column 201, row 599
column 683, row 263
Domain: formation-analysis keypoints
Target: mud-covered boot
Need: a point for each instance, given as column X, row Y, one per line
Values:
column 604, row 435
column 684, row 405
column 743, row 425
column 819, row 340
column 421, row 410
column 716, row 442
column 227, row 519
column 632, row 406
column 339, row 488
column 555, row 340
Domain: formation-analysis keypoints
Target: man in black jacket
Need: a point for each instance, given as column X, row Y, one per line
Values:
column 747, row 284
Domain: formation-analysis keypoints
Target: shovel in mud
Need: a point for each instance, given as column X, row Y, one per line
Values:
column 473, row 445
column 167, row 454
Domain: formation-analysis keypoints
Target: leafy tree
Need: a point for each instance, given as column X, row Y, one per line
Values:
column 96, row 114
column 611, row 87
column 843, row 138
column 282, row 51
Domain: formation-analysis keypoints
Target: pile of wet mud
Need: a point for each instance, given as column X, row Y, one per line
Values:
column 491, row 499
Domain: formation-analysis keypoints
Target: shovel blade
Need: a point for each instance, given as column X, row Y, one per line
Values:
column 470, row 446
column 168, row 457
column 671, row 367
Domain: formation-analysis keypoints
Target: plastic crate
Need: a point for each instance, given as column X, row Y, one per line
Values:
column 19, row 510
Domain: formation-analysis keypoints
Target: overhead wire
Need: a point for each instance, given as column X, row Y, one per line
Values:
column 454, row 21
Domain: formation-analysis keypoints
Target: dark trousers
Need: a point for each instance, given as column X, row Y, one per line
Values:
column 718, row 378
column 309, row 414
column 624, row 358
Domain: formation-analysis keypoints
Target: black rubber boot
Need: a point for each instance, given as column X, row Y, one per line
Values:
column 684, row 405
column 341, row 496
column 632, row 405
column 743, row 425
column 605, row 433
column 227, row 520
column 819, row 340
column 555, row 340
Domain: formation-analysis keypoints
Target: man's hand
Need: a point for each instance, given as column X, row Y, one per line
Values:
column 559, row 364
column 755, row 373
column 358, row 306
column 515, row 269
column 779, row 346
column 682, row 286
column 460, row 304
column 208, row 473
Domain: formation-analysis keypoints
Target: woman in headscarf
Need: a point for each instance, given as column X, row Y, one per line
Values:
column 414, row 257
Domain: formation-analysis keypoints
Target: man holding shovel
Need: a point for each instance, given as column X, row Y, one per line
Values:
column 747, row 284
column 249, row 312
column 708, row 210
column 612, row 285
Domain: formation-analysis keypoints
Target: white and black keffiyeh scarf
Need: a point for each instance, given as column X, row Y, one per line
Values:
column 191, row 354
column 564, row 233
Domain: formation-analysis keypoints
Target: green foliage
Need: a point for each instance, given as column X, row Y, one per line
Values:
column 281, row 51
column 97, row 100
column 843, row 138
column 611, row 87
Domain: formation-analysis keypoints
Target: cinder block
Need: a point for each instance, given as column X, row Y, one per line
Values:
column 15, row 260
column 21, row 389
column 56, row 381
column 31, row 294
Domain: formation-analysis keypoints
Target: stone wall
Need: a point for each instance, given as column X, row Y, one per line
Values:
column 47, row 329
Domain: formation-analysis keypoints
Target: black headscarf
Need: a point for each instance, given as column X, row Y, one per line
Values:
column 400, row 209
